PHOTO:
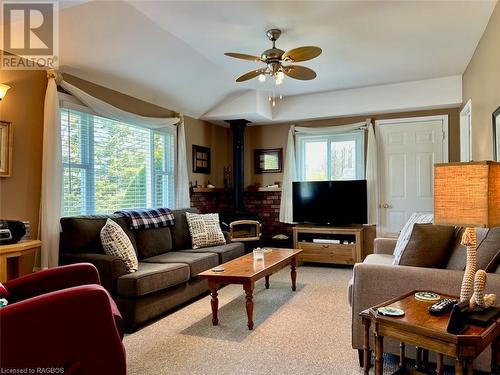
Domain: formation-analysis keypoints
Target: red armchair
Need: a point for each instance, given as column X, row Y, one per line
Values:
column 61, row 320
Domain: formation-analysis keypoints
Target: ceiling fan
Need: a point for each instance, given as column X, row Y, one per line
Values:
column 274, row 59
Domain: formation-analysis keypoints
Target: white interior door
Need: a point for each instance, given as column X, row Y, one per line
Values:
column 408, row 150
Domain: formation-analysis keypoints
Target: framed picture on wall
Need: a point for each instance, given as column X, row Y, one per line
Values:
column 201, row 159
column 268, row 160
column 5, row 148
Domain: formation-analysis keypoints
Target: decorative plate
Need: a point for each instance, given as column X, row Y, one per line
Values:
column 390, row 311
column 427, row 296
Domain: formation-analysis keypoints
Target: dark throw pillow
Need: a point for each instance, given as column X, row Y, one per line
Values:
column 428, row 246
column 494, row 263
column 488, row 248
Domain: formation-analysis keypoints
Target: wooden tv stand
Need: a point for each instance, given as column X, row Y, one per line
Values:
column 337, row 245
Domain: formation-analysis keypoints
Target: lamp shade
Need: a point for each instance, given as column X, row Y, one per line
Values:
column 467, row 194
column 3, row 90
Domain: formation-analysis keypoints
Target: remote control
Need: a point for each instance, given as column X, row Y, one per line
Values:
column 442, row 306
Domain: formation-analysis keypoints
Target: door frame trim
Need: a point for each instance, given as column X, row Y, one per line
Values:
column 392, row 121
column 466, row 125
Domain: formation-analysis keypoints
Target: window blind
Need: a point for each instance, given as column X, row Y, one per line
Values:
column 330, row 157
column 109, row 165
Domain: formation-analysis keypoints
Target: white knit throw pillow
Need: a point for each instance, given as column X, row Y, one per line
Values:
column 205, row 230
column 116, row 242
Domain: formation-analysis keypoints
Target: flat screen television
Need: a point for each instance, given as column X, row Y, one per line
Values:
column 336, row 203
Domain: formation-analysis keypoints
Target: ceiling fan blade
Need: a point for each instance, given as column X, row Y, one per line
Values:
column 249, row 75
column 299, row 72
column 243, row 56
column 302, row 53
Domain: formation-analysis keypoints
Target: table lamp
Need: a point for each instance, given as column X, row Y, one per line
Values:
column 468, row 194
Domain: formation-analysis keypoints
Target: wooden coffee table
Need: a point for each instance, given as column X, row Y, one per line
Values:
column 246, row 271
column 427, row 332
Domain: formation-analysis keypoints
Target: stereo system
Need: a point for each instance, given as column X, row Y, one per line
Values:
column 11, row 231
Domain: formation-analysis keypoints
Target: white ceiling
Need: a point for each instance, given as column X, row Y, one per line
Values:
column 171, row 52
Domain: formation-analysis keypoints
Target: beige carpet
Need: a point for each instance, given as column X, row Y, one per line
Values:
column 302, row 332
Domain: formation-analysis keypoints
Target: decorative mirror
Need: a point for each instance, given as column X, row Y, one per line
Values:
column 268, row 160
column 496, row 134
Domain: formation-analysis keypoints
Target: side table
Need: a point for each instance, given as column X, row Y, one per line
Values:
column 427, row 332
column 16, row 250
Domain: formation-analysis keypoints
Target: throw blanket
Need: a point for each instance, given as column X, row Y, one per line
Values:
column 148, row 218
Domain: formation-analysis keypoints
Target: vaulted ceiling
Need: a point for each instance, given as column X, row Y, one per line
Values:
column 170, row 53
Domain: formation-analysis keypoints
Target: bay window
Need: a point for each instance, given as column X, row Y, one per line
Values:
column 109, row 165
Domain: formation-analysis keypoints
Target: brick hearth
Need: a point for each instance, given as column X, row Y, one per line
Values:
column 262, row 205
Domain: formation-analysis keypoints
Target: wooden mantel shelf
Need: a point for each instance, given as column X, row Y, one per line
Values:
column 262, row 189
column 224, row 190
column 209, row 190
column 269, row 189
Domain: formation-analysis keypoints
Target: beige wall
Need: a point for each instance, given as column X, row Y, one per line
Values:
column 275, row 136
column 481, row 83
column 23, row 106
column 218, row 139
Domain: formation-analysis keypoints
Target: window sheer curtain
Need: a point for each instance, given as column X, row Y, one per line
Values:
column 51, row 192
column 51, row 196
column 290, row 168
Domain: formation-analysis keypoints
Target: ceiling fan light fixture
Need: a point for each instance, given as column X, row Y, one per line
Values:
column 273, row 58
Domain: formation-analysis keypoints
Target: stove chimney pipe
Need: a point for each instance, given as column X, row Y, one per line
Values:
column 238, row 129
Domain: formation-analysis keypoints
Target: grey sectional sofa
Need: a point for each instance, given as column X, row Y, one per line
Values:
column 168, row 266
column 377, row 280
